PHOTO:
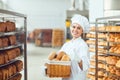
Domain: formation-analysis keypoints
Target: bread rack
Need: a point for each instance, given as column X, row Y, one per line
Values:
column 110, row 21
column 18, row 18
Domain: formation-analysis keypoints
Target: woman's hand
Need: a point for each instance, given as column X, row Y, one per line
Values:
column 80, row 65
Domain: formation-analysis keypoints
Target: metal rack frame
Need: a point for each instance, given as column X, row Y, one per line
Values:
column 96, row 43
column 15, row 14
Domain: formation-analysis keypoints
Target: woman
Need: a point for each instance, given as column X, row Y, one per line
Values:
column 77, row 49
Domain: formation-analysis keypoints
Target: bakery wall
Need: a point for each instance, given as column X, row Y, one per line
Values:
column 96, row 9
column 42, row 13
column 51, row 13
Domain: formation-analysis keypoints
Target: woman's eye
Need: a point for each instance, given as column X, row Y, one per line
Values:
column 73, row 26
column 78, row 28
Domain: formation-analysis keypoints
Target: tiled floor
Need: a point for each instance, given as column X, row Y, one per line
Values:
column 36, row 59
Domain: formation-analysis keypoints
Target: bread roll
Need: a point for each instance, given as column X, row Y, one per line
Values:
column 65, row 58
column 52, row 55
column 118, row 72
column 60, row 55
column 92, row 28
column 111, row 60
column 91, row 70
column 118, row 64
column 92, row 63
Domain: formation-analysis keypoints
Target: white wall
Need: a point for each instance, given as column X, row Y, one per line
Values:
column 95, row 9
column 42, row 13
column 51, row 13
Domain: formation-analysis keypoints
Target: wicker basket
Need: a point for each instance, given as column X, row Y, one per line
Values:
column 59, row 69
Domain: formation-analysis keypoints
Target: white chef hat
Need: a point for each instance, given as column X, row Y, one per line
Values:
column 82, row 21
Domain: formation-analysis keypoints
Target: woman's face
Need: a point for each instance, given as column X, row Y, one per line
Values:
column 76, row 30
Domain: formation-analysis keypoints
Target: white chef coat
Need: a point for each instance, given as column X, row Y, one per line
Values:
column 77, row 50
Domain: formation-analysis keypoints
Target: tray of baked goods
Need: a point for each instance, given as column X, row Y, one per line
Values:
column 9, row 56
column 58, row 65
column 8, row 72
column 108, row 29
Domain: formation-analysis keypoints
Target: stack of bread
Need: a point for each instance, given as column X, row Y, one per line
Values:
column 46, row 37
column 109, row 28
column 111, row 77
column 57, row 37
column 59, row 65
column 92, row 77
column 92, row 28
column 91, row 35
column 118, row 64
column 10, row 70
column 112, row 60
column 16, row 77
column 7, row 41
column 100, row 50
column 8, row 55
column 7, row 26
column 113, row 37
column 115, row 49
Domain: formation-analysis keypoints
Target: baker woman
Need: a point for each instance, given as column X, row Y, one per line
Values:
column 77, row 49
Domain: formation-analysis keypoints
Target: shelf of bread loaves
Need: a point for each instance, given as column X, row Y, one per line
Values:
column 91, row 43
column 12, row 45
column 111, row 56
column 12, row 70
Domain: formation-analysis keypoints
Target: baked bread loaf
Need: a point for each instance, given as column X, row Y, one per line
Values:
column 111, row 60
column 102, row 58
column 14, row 69
column 91, row 70
column 1, row 43
column 101, row 65
column 6, row 59
column 60, row 55
column 92, row 28
column 1, row 58
column 11, row 54
column 10, row 70
column 17, row 51
column 1, row 75
column 52, row 55
column 65, row 58
column 4, row 42
column 10, row 26
column 19, row 65
column 2, row 26
column 12, row 40
column 117, row 72
column 118, row 64
column 16, row 77
column 5, row 73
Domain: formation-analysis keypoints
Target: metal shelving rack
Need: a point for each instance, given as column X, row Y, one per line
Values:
column 107, row 21
column 14, row 15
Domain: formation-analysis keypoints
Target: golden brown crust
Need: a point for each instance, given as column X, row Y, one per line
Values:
column 65, row 58
column 52, row 55
column 60, row 55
